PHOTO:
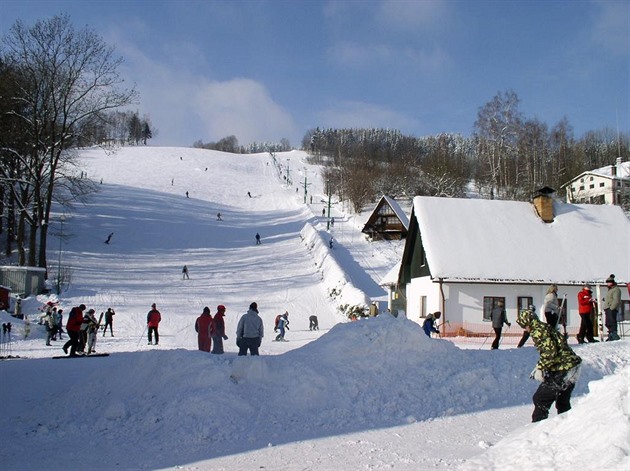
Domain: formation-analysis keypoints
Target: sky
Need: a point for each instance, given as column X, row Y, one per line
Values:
column 267, row 70
column 374, row 394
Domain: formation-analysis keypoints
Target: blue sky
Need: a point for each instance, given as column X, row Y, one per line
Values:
column 266, row 70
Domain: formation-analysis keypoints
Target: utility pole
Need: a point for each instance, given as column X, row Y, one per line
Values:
column 59, row 262
column 328, row 222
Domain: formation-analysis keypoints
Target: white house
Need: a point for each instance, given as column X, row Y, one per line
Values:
column 606, row 185
column 463, row 255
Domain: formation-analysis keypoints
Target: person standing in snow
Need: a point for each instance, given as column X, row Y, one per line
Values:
column 313, row 323
column 557, row 369
column 73, row 328
column 153, row 321
column 429, row 323
column 611, row 306
column 92, row 329
column 204, row 326
column 498, row 317
column 49, row 325
column 58, row 316
column 551, row 307
column 585, row 310
column 249, row 332
column 258, row 239
column 109, row 321
column 219, row 330
column 185, row 273
column 283, row 324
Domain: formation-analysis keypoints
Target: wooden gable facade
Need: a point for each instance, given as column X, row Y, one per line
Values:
column 388, row 221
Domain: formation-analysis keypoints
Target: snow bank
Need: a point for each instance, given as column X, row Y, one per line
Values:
column 347, row 297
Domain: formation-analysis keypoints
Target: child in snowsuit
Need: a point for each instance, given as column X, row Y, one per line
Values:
column 283, row 323
column 219, row 330
column 204, row 326
column 428, row 324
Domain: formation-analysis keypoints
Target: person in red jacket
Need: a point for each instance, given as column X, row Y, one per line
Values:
column 73, row 327
column 219, row 330
column 204, row 328
column 153, row 321
column 585, row 308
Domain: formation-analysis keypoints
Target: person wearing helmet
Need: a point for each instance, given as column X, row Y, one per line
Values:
column 557, row 369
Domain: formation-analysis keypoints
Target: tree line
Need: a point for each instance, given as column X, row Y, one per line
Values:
column 59, row 90
column 230, row 144
column 509, row 156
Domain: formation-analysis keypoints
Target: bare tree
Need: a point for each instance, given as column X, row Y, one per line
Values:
column 64, row 78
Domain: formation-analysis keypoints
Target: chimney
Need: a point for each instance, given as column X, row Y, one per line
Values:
column 543, row 202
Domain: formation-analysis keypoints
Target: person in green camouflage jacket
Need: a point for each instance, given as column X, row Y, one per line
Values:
column 557, row 368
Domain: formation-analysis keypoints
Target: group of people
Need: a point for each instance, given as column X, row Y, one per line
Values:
column 52, row 319
column 82, row 328
column 211, row 330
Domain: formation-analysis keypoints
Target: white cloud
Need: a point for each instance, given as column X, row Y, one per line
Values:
column 611, row 29
column 413, row 15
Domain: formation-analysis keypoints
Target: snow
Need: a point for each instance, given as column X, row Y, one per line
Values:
column 479, row 239
column 371, row 394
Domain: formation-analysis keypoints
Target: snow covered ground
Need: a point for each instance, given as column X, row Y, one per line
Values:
column 372, row 394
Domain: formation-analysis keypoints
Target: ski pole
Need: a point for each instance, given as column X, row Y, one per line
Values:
column 142, row 336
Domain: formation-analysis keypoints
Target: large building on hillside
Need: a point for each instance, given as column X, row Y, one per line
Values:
column 463, row 256
column 606, row 185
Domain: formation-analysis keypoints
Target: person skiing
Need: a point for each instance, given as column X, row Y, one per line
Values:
column 429, row 323
column 185, row 273
column 109, row 238
column 73, row 328
column 219, row 330
column 550, row 306
column 258, row 239
column 585, row 309
column 249, row 331
column 283, row 325
column 153, row 321
column 204, row 326
column 313, row 323
column 611, row 306
column 498, row 317
column 109, row 321
column 557, row 369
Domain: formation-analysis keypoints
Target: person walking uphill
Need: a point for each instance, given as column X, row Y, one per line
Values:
column 498, row 317
column 153, row 321
column 249, row 332
column 557, row 369
column 204, row 326
column 73, row 328
column 219, row 330
column 611, row 306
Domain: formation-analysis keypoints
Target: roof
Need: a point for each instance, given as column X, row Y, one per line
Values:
column 400, row 214
column 622, row 172
column 494, row 240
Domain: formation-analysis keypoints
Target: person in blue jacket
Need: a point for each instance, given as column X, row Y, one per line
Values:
column 429, row 323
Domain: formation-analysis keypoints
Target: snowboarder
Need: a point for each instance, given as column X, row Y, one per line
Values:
column 313, row 323
column 185, row 273
column 109, row 321
column 249, row 332
column 73, row 327
column 551, row 307
column 109, row 238
column 258, row 239
column 611, row 306
column 498, row 317
column 219, row 330
column 283, row 324
column 585, row 309
column 429, row 323
column 557, row 369
column 204, row 326
column 153, row 321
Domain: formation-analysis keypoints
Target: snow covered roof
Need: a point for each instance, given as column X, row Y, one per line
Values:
column 622, row 171
column 397, row 210
column 492, row 240
column 391, row 278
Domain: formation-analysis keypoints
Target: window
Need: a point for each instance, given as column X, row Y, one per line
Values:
column 581, row 180
column 591, row 178
column 624, row 312
column 489, row 303
column 591, row 186
column 582, row 188
column 602, row 185
column 523, row 302
column 423, row 306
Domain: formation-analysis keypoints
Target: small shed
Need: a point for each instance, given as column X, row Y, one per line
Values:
column 388, row 221
column 23, row 281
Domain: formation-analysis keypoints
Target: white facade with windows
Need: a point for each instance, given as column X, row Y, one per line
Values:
column 606, row 185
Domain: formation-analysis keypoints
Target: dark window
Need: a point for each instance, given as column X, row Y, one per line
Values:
column 625, row 310
column 582, row 187
column 489, row 303
column 602, row 185
column 523, row 302
column 591, row 186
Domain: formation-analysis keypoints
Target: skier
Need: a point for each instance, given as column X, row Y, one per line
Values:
column 283, row 323
column 219, row 217
column 585, row 309
column 557, row 369
column 313, row 323
column 498, row 317
column 73, row 327
column 185, row 273
column 249, row 332
column 249, row 194
column 219, row 330
column 258, row 239
column 611, row 306
column 550, row 306
column 428, row 324
column 49, row 324
column 153, row 321
column 109, row 238
column 109, row 321
column 204, row 326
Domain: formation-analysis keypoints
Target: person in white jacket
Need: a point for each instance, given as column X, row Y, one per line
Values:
column 249, row 332
column 550, row 306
